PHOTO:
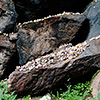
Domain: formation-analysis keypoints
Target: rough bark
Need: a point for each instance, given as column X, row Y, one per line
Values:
column 36, row 39
column 8, row 16
column 39, row 81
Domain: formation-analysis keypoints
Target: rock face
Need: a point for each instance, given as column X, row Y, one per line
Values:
column 94, row 19
column 95, row 85
column 40, row 80
column 36, row 39
column 7, row 49
column 41, row 38
column 33, row 9
column 7, row 16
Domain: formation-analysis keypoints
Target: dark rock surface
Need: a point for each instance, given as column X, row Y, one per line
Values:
column 8, row 16
column 7, row 50
column 33, row 9
column 94, row 19
column 36, row 39
column 39, row 81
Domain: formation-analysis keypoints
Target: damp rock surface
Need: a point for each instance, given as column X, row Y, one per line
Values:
column 40, row 80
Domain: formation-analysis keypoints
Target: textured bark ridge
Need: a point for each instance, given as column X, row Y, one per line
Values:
column 8, row 16
column 40, row 80
column 7, row 49
column 45, row 62
column 36, row 39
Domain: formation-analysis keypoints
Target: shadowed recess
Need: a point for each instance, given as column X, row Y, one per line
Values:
column 82, row 33
column 33, row 9
column 11, row 65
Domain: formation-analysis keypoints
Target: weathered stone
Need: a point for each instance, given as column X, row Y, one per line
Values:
column 36, row 39
column 39, row 81
column 7, row 16
column 94, row 19
column 7, row 49
column 13, row 36
column 95, row 85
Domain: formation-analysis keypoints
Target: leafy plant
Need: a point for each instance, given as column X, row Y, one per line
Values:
column 25, row 98
column 98, row 97
column 95, row 75
column 79, row 92
column 4, row 94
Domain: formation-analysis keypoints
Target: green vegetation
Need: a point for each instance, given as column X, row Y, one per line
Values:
column 77, row 92
column 95, row 75
column 25, row 98
column 4, row 94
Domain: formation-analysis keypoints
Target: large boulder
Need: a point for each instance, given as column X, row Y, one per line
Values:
column 95, row 85
column 8, row 16
column 46, row 72
column 42, row 37
column 94, row 19
column 7, row 50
